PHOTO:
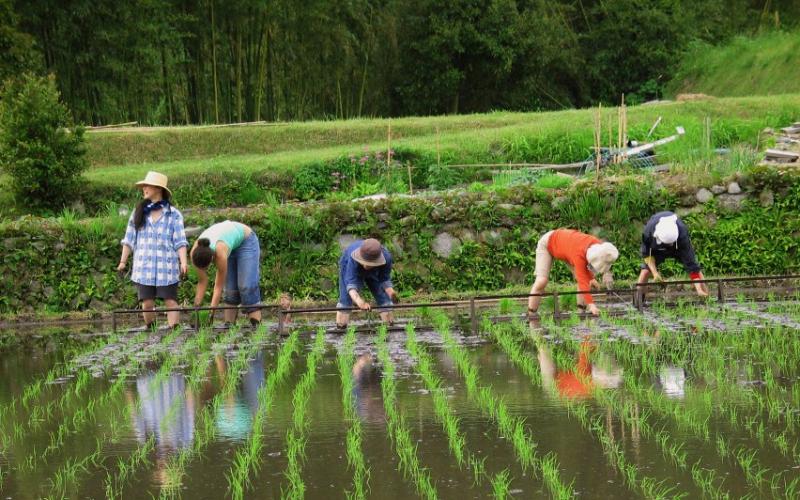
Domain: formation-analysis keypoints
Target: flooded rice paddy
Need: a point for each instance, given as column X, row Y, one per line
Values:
column 681, row 401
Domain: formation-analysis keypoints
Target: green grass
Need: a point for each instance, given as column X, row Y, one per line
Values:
column 768, row 64
column 498, row 137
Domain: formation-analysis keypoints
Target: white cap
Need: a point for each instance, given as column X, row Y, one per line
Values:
column 601, row 256
column 666, row 231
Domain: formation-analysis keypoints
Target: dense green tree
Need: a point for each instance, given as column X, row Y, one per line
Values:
column 18, row 53
column 40, row 149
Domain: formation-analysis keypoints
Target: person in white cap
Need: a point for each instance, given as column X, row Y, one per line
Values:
column 666, row 236
column 586, row 255
column 365, row 263
column 155, row 235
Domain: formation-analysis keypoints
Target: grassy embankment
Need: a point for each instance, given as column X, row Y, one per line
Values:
column 765, row 65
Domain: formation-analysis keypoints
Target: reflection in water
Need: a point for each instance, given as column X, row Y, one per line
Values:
column 235, row 415
column 165, row 409
column 367, row 390
column 672, row 380
column 584, row 377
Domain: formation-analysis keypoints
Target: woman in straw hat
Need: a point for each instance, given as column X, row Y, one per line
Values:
column 156, row 237
column 365, row 262
column 586, row 255
column 665, row 236
column 233, row 248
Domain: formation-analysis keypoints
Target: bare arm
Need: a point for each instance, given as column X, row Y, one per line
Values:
column 202, row 284
column 361, row 303
column 182, row 256
column 123, row 260
column 651, row 265
column 221, row 260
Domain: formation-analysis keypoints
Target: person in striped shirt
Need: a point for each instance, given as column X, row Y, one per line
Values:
column 155, row 236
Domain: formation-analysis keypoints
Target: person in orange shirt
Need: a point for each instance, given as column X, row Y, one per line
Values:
column 586, row 255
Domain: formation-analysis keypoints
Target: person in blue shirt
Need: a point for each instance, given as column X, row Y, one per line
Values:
column 666, row 236
column 156, row 237
column 365, row 262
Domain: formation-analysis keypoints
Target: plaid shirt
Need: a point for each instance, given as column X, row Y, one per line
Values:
column 155, row 248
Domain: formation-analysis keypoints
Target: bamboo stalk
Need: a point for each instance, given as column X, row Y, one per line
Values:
column 597, row 131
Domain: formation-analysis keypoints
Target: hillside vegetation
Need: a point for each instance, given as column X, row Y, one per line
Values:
column 764, row 65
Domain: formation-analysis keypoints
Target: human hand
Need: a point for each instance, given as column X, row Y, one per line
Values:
column 608, row 281
column 594, row 285
column 184, row 269
column 657, row 277
column 121, row 267
column 364, row 305
column 593, row 309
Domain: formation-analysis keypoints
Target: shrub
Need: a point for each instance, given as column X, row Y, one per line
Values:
column 39, row 147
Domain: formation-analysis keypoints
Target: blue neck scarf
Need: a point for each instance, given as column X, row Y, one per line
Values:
column 154, row 206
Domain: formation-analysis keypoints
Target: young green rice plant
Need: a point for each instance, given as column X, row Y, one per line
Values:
column 355, row 456
column 398, row 430
column 297, row 436
column 501, row 485
column 510, row 427
column 247, row 459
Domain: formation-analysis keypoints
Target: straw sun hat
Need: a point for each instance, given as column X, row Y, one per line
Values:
column 369, row 253
column 155, row 179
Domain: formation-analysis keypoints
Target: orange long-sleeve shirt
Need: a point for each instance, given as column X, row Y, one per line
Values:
column 570, row 246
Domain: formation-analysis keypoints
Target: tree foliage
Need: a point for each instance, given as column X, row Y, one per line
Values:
column 208, row 61
column 38, row 148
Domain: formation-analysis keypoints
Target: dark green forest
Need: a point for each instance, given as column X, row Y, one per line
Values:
column 213, row 61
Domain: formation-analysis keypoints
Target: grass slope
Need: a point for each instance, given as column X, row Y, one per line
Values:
column 768, row 64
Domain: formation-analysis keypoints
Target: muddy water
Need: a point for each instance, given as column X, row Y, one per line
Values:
column 164, row 410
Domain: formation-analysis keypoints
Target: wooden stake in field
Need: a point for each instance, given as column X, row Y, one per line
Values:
column 438, row 149
column 388, row 153
column 597, row 131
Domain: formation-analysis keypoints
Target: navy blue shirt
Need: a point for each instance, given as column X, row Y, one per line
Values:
column 681, row 250
column 352, row 274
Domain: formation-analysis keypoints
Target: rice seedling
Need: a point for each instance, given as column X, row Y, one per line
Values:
column 510, row 427
column 296, row 437
column 398, row 429
column 247, row 458
column 501, row 485
column 355, row 456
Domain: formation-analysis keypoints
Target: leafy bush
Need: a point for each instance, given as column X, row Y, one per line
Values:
column 39, row 147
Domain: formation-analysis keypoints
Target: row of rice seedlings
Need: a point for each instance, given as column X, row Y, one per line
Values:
column 397, row 427
column 778, row 403
column 649, row 487
column 106, row 399
column 205, row 429
column 510, row 427
column 297, row 437
column 755, row 474
column 456, row 440
column 37, row 414
column 34, row 390
column 710, row 360
column 345, row 359
column 193, row 352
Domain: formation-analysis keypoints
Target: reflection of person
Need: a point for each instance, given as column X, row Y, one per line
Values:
column 585, row 255
column 665, row 236
column 672, row 380
column 233, row 248
column 367, row 389
column 155, row 234
column 365, row 263
column 174, row 428
column 235, row 416
column 580, row 381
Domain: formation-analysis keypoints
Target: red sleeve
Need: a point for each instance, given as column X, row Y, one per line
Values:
column 583, row 277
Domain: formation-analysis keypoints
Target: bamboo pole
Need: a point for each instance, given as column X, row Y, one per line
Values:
column 438, row 149
column 597, row 131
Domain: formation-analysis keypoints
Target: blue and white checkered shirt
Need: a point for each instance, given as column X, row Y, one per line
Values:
column 155, row 248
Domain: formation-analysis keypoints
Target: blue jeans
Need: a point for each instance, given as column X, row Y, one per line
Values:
column 374, row 285
column 241, row 282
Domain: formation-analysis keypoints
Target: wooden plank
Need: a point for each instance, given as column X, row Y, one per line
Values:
column 778, row 153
